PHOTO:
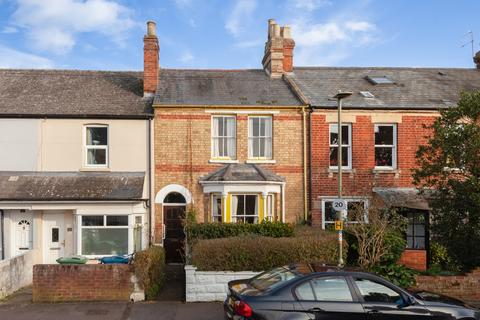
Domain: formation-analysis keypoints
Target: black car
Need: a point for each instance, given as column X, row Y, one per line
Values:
column 307, row 291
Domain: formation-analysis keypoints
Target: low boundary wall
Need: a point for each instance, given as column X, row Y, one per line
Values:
column 88, row 282
column 16, row 273
column 201, row 286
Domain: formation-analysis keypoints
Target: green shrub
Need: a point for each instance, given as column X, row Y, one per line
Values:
column 259, row 253
column 225, row 230
column 397, row 274
column 150, row 270
column 440, row 259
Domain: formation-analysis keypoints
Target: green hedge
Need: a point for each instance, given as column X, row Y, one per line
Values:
column 226, row 230
column 258, row 253
column 150, row 270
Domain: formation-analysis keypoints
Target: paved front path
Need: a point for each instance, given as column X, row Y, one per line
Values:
column 112, row 311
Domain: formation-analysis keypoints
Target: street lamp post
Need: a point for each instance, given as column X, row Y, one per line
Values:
column 340, row 214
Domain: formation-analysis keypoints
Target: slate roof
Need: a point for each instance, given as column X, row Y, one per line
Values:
column 72, row 93
column 414, row 88
column 403, row 198
column 242, row 172
column 222, row 87
column 63, row 186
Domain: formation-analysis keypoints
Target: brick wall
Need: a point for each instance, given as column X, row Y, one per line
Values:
column 362, row 178
column 415, row 259
column 464, row 287
column 89, row 282
column 183, row 150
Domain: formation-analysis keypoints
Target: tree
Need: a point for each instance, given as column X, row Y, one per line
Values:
column 449, row 170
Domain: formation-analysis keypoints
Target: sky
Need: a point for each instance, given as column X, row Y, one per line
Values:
column 231, row 34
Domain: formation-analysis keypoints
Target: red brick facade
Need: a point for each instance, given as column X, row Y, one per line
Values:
column 415, row 259
column 90, row 282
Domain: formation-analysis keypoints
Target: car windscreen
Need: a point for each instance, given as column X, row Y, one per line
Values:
column 274, row 278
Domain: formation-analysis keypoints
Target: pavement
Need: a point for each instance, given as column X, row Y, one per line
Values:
column 20, row 307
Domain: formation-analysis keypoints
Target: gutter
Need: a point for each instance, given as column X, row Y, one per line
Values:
column 76, row 116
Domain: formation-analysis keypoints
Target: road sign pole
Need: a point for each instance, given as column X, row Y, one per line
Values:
column 339, row 162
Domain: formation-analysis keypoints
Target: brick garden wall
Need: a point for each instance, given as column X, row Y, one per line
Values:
column 89, row 282
column 183, row 150
column 465, row 287
column 415, row 259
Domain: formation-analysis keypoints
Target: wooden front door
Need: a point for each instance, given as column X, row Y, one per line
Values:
column 174, row 243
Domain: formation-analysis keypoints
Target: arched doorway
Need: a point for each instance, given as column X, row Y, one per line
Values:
column 174, row 211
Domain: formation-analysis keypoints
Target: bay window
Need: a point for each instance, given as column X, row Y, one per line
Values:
column 217, row 208
column 223, row 137
column 385, row 146
column 96, row 146
column 260, row 137
column 104, row 235
column 244, row 208
column 346, row 146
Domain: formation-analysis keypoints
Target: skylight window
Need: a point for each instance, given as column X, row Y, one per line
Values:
column 380, row 80
column 367, row 94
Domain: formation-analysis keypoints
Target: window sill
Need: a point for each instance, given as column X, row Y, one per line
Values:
column 222, row 161
column 94, row 169
column 260, row 161
column 335, row 170
column 385, row 170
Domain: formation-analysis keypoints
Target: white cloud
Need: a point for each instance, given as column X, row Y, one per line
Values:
column 310, row 5
column 240, row 17
column 186, row 57
column 10, row 58
column 331, row 42
column 55, row 24
column 9, row 29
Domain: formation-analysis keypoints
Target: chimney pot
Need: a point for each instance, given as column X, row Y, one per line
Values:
column 476, row 59
column 276, row 30
column 151, row 28
column 286, row 32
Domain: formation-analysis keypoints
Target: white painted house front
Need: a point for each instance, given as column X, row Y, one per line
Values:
column 74, row 164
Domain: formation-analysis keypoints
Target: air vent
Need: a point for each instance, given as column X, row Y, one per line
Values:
column 380, row 80
column 367, row 94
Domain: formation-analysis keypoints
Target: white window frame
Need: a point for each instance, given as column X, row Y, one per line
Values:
column 88, row 147
column 268, row 137
column 349, row 145
column 234, row 216
column 393, row 146
column 214, row 136
column 270, row 207
column 81, row 227
column 351, row 199
column 214, row 198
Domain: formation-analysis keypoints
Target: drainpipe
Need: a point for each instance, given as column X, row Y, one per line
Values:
column 151, row 204
column 3, row 234
column 310, row 188
column 305, row 200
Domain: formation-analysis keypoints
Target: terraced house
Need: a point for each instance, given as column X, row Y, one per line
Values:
column 230, row 144
column 74, row 164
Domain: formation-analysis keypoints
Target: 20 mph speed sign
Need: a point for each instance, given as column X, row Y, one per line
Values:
column 339, row 205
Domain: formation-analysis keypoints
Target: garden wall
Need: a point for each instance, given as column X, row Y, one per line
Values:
column 88, row 282
column 465, row 287
column 415, row 259
column 210, row 285
column 16, row 273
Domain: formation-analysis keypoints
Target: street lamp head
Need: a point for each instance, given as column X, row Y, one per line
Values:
column 342, row 94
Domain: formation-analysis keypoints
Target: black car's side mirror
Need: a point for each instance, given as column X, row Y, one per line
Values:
column 406, row 301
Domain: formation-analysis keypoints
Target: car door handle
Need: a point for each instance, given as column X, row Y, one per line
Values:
column 372, row 311
column 315, row 310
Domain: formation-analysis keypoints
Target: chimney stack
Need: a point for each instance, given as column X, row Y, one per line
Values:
column 150, row 60
column 278, row 57
column 476, row 59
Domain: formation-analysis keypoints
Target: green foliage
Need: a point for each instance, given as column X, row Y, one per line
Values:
column 259, row 253
column 397, row 274
column 449, row 165
column 441, row 261
column 224, row 230
column 395, row 243
column 150, row 270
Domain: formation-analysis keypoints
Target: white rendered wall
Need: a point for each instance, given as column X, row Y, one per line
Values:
column 19, row 144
